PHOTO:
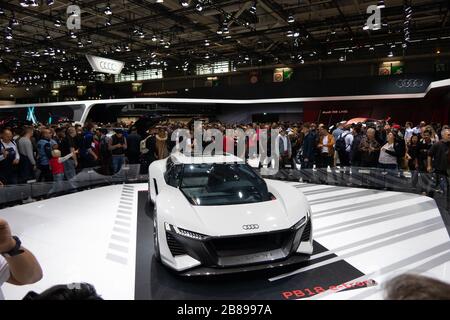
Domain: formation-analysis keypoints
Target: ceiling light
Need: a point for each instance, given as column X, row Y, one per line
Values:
column 72, row 35
column 89, row 41
column 291, row 19
column 199, row 7
column 297, row 34
column 9, row 36
column 57, row 23
column 184, row 3
column 381, row 4
column 107, row 10
column 34, row 3
column 48, row 36
column 23, row 3
column 154, row 39
column 290, row 33
column 14, row 21
column 390, row 54
column 50, row 2
column 342, row 58
column 252, row 9
column 108, row 22
column 371, row 48
column 2, row 12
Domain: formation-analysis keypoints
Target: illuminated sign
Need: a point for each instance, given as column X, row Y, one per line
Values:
column 105, row 65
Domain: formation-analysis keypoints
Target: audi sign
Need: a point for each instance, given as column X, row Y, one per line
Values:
column 250, row 226
column 409, row 83
column 105, row 65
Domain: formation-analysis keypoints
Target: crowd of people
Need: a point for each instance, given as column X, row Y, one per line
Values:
column 58, row 152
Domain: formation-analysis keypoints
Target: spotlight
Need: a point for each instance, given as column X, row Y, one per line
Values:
column 23, row 3
column 9, row 36
column 381, row 4
column 2, row 12
column 48, row 36
column 342, row 58
column 296, row 34
column 390, row 54
column 371, row 48
column 89, row 41
column 108, row 22
column 184, row 3
column 199, row 7
column 291, row 19
column 57, row 23
column 154, row 39
column 72, row 35
column 50, row 2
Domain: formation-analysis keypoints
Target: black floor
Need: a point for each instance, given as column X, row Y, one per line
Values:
column 154, row 281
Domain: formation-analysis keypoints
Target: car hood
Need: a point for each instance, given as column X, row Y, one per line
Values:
column 230, row 219
column 285, row 211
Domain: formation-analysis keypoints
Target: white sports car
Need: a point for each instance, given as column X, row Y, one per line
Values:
column 215, row 214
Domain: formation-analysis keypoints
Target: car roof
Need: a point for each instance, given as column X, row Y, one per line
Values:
column 181, row 158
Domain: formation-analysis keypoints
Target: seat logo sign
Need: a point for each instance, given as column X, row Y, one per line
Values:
column 409, row 83
column 105, row 65
column 250, row 226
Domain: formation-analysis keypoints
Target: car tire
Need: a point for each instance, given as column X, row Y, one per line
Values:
column 157, row 253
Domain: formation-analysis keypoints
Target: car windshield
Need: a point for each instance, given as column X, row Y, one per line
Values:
column 222, row 184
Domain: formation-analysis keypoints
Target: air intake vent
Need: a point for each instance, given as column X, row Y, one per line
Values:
column 176, row 248
column 307, row 232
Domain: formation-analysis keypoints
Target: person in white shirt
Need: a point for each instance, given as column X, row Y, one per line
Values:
column 18, row 265
column 9, row 158
column 409, row 131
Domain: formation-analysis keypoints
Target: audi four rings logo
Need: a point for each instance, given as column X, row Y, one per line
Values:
column 110, row 66
column 250, row 226
column 409, row 83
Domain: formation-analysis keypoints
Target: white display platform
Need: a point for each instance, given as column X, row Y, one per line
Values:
column 90, row 236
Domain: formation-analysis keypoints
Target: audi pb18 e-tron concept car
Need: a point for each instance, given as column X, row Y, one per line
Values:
column 215, row 215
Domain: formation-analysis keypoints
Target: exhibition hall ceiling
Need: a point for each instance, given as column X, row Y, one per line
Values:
column 173, row 34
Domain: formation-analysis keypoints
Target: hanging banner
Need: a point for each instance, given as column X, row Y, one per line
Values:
column 105, row 65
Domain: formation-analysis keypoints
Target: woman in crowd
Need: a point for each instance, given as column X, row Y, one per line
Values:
column 388, row 158
column 412, row 151
column 161, row 144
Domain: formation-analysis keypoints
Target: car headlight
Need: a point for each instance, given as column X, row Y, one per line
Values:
column 185, row 233
column 299, row 224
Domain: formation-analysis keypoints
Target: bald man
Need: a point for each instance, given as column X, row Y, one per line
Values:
column 9, row 158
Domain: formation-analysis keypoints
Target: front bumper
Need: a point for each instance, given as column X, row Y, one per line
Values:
column 241, row 253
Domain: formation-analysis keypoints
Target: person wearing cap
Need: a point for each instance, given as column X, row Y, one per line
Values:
column 117, row 145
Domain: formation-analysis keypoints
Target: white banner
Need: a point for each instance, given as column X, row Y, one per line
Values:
column 105, row 65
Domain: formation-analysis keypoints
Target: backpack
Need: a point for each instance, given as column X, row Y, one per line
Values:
column 341, row 145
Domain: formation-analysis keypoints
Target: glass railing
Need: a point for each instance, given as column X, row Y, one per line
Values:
column 86, row 179
column 429, row 184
